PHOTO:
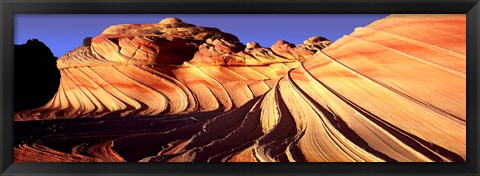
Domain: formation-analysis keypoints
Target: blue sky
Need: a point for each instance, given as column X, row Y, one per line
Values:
column 64, row 32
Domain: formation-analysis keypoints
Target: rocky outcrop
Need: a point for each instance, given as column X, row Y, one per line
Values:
column 171, row 42
column 391, row 91
column 36, row 76
column 219, row 52
column 178, row 67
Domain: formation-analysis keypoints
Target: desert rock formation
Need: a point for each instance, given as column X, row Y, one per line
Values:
column 179, row 68
column 394, row 90
column 34, row 65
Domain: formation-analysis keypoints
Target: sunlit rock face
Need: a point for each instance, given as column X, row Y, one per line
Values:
column 394, row 90
column 164, row 69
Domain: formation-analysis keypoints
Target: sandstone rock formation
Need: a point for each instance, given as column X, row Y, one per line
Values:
column 180, row 69
column 394, row 90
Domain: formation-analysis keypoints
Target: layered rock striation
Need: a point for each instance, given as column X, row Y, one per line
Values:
column 167, row 68
column 394, row 90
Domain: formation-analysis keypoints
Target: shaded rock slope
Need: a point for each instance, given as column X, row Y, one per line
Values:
column 394, row 90
column 36, row 76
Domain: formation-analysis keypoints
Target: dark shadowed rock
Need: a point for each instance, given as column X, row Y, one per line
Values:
column 36, row 77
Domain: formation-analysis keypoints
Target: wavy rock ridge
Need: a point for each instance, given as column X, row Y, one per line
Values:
column 391, row 91
column 178, row 68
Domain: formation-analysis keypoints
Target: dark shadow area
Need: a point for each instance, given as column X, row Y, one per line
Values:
column 36, row 77
column 135, row 137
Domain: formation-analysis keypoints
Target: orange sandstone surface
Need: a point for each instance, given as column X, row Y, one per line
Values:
column 394, row 90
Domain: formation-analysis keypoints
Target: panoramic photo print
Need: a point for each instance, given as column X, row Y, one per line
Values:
column 240, row 88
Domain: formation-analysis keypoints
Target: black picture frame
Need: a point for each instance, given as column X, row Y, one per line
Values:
column 8, row 8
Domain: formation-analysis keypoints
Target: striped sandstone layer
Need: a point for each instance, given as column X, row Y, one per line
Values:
column 167, row 68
